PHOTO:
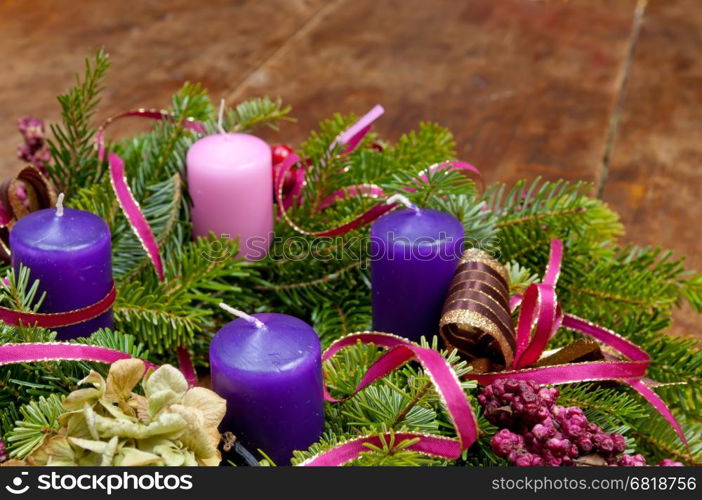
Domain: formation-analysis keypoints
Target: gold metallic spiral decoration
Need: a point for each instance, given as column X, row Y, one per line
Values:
column 476, row 319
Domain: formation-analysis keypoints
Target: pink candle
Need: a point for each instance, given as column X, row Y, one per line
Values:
column 230, row 182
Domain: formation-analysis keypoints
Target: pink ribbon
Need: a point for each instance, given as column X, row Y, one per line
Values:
column 426, row 444
column 134, row 215
column 539, row 319
column 56, row 320
column 132, row 211
column 353, row 135
column 125, row 198
column 445, row 381
column 351, row 138
column 185, row 363
column 60, row 351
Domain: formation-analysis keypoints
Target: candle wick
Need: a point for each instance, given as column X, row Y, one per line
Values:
column 220, row 117
column 59, row 205
column 243, row 315
column 403, row 200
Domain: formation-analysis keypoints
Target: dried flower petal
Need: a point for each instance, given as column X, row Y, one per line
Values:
column 166, row 377
column 123, row 378
column 212, row 406
column 109, row 424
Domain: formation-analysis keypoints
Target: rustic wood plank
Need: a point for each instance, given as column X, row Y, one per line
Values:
column 526, row 86
column 155, row 47
column 655, row 173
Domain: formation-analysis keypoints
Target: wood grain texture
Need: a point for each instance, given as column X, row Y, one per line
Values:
column 154, row 45
column 655, row 176
column 527, row 87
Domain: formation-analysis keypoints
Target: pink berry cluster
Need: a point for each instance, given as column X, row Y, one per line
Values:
column 34, row 150
column 537, row 431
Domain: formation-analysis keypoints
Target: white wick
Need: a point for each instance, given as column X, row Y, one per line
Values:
column 59, row 205
column 243, row 315
column 220, row 117
column 402, row 199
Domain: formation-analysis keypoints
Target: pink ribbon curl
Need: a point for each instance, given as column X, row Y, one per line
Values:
column 539, row 319
column 400, row 351
column 350, row 139
column 125, row 198
column 133, row 213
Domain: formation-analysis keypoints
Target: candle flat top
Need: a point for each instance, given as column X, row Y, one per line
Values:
column 73, row 231
column 228, row 150
column 427, row 227
column 285, row 344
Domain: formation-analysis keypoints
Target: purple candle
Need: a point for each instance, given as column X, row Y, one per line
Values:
column 413, row 254
column 269, row 369
column 69, row 252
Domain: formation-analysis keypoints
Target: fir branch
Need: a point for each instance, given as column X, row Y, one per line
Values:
column 315, row 282
column 675, row 360
column 162, row 324
column 40, row 420
column 74, row 159
column 394, row 452
column 166, row 315
column 520, row 277
column 18, row 294
column 529, row 215
column 610, row 408
column 629, row 282
column 692, row 291
column 332, row 320
column 391, row 452
column 656, row 438
column 403, row 414
column 480, row 230
column 257, row 112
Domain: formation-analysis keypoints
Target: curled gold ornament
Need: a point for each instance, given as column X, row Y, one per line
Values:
column 476, row 319
column 22, row 194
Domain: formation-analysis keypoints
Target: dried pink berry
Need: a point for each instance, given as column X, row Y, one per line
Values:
column 537, row 431
column 631, row 461
column 668, row 462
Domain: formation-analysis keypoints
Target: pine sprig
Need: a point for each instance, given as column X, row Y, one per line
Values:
column 166, row 315
column 676, row 361
column 692, row 290
column 74, row 163
column 530, row 214
column 17, row 293
column 656, row 438
column 613, row 409
column 39, row 421
column 257, row 112
column 392, row 452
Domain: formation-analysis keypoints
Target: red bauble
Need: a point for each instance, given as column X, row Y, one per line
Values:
column 279, row 152
column 377, row 146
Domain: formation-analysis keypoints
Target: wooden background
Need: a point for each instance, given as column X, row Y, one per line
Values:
column 608, row 91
